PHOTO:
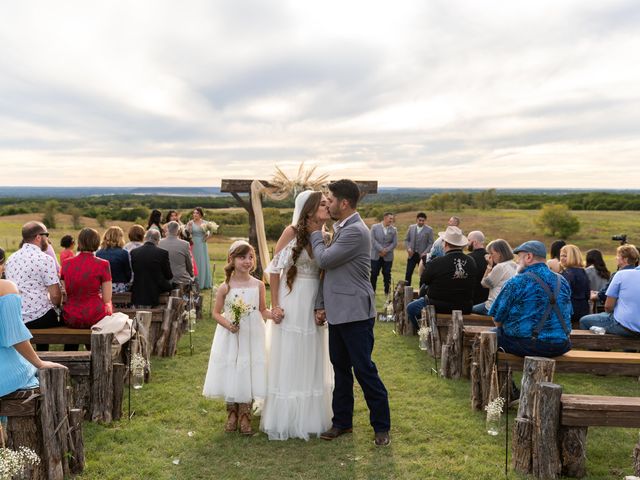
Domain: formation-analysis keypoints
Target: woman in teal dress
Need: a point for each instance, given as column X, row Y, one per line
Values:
column 19, row 363
column 200, row 250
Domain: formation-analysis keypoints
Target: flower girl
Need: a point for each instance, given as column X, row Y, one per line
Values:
column 237, row 369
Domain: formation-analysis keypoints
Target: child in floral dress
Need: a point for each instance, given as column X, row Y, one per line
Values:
column 237, row 365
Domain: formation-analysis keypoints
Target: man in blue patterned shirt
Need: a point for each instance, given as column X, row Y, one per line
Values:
column 533, row 310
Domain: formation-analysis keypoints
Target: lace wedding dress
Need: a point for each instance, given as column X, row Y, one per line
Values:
column 299, row 375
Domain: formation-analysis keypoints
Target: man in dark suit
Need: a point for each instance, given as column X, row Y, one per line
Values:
column 151, row 271
column 478, row 253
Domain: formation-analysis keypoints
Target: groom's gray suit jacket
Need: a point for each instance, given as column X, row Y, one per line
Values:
column 345, row 291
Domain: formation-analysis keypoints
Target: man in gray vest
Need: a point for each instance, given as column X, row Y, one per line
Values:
column 384, row 238
column 179, row 254
column 418, row 242
column 347, row 302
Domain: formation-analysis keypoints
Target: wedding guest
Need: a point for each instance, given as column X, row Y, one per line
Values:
column 437, row 250
column 596, row 270
column 151, row 271
column 87, row 281
column 34, row 272
column 237, row 368
column 155, row 221
column 554, row 262
column 573, row 271
column 627, row 258
column 136, row 235
column 179, row 255
column 19, row 364
column 500, row 268
column 199, row 235
column 111, row 249
column 52, row 253
column 384, row 238
column 186, row 236
column 171, row 216
column 67, row 243
column 418, row 242
column 478, row 253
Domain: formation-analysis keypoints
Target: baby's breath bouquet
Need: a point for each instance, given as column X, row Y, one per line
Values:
column 238, row 309
column 423, row 335
column 494, row 413
column 14, row 462
column 210, row 228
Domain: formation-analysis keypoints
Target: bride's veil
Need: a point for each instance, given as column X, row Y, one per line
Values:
column 301, row 199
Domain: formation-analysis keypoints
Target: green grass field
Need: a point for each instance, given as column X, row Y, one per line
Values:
column 435, row 435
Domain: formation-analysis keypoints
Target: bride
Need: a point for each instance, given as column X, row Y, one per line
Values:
column 299, row 375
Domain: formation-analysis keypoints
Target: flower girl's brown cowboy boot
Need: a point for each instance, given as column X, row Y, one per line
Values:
column 244, row 412
column 232, row 418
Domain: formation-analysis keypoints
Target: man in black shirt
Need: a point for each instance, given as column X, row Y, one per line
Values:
column 447, row 282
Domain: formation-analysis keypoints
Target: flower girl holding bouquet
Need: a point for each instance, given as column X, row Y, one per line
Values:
column 237, row 368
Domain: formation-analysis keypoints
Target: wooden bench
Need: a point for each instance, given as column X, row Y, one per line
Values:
column 61, row 336
column 36, row 420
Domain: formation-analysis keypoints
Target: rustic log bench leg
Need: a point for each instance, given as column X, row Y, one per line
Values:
column 545, row 454
column 573, row 446
column 101, row 378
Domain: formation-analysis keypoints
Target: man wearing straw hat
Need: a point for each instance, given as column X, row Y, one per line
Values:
column 447, row 282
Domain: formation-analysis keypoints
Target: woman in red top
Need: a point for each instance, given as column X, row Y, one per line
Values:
column 87, row 281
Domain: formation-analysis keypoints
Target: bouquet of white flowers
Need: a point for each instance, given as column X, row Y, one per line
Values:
column 14, row 462
column 210, row 228
column 239, row 309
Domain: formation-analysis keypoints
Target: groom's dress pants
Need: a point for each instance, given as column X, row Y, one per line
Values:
column 350, row 347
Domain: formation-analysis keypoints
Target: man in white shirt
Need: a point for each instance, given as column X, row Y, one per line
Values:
column 384, row 238
column 34, row 272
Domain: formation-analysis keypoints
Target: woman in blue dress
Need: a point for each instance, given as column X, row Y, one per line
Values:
column 19, row 363
column 200, row 251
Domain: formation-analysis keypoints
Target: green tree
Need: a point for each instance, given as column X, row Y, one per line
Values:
column 102, row 220
column 556, row 220
column 76, row 215
column 50, row 210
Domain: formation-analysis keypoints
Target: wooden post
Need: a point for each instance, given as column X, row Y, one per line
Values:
column 119, row 370
column 398, row 304
column 76, row 440
column 535, row 370
column 488, row 349
column 436, row 345
column 23, row 428
column 636, row 460
column 177, row 307
column 407, row 327
column 545, row 454
column 453, row 368
column 54, row 425
column 101, row 377
column 573, row 446
column 476, row 389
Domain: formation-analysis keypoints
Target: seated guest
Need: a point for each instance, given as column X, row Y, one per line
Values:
column 622, row 306
column 111, row 249
column 571, row 263
column 179, row 254
column 87, row 281
column 500, row 268
column 437, row 249
column 18, row 362
column 136, row 235
column 627, row 257
column 151, row 271
column 155, row 220
column 478, row 253
column 533, row 309
column 34, row 272
column 554, row 262
column 446, row 281
column 67, row 243
column 596, row 270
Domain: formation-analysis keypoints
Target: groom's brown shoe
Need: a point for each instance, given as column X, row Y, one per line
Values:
column 334, row 432
column 382, row 439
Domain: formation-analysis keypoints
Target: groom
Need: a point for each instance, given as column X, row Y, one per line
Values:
column 346, row 300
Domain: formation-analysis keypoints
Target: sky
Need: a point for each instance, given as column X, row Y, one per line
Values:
column 438, row 93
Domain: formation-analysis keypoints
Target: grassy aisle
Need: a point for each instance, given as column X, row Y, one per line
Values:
column 434, row 433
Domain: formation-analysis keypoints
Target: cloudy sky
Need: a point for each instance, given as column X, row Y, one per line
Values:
column 438, row 93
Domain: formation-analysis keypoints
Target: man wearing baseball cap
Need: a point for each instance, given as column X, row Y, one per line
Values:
column 533, row 310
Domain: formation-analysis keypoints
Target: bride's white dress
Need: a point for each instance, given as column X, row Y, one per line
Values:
column 299, row 374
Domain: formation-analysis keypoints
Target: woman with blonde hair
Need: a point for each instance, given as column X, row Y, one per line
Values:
column 573, row 270
column 111, row 249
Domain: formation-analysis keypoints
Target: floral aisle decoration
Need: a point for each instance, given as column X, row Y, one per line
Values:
column 423, row 337
column 13, row 463
column 138, row 366
column 239, row 309
column 494, row 415
column 190, row 317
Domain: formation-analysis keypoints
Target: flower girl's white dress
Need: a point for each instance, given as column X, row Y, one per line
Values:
column 299, row 374
column 237, row 367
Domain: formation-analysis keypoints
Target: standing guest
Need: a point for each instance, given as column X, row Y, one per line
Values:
column 111, row 249
column 200, row 250
column 478, row 253
column 155, row 220
column 437, row 250
column 627, row 258
column 179, row 254
column 18, row 362
column 34, row 272
column 136, row 235
column 500, row 268
column 573, row 271
column 533, row 310
column 186, row 236
column 67, row 243
column 151, row 272
column 554, row 262
column 418, row 242
column 52, row 253
column 384, row 238
column 87, row 281
column 171, row 216
column 447, row 282
column 597, row 270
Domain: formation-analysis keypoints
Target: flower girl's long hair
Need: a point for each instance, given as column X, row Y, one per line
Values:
column 302, row 234
column 241, row 249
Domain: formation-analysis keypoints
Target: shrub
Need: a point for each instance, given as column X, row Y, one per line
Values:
column 50, row 210
column 558, row 221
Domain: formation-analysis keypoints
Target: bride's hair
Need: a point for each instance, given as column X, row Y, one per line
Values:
column 302, row 235
column 242, row 249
